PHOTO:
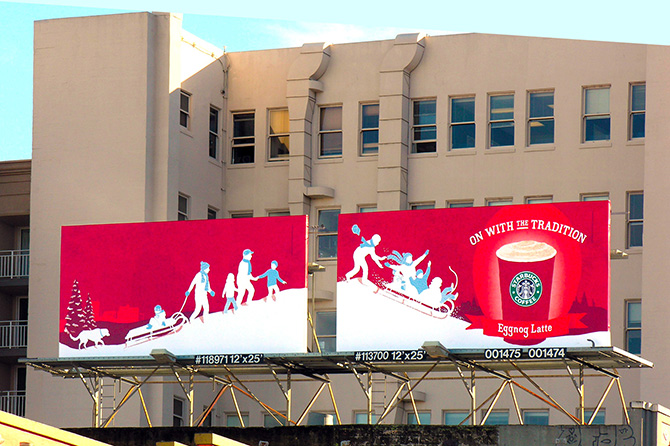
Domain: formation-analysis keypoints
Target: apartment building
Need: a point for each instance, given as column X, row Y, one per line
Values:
column 14, row 263
column 137, row 120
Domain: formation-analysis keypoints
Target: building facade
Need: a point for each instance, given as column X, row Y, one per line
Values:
column 137, row 120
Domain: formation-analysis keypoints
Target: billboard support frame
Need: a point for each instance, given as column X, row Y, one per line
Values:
column 138, row 371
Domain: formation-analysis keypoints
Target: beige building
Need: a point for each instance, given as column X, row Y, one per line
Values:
column 137, row 120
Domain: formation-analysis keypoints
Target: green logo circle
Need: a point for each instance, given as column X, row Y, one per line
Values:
column 525, row 289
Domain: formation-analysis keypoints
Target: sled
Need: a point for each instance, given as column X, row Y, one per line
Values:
column 437, row 312
column 143, row 334
column 389, row 292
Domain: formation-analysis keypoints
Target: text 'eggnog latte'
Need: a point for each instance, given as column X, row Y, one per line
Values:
column 526, row 273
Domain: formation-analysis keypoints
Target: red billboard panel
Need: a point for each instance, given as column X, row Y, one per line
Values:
column 482, row 277
column 191, row 287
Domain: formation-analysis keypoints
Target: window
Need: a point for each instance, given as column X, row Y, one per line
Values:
column 634, row 222
column 369, row 129
column 536, row 417
column 177, row 412
column 184, row 109
column 207, row 422
column 463, row 123
column 600, row 416
column 269, row 421
column 496, row 417
column 637, row 110
column 362, row 418
column 541, row 118
column 364, row 209
column 182, row 208
column 243, row 138
column 539, row 199
column 501, row 120
column 456, row 417
column 327, row 233
column 278, row 133
column 595, row 197
column 211, row 213
column 241, row 214
column 326, row 329
column 424, row 418
column 460, row 204
column 232, row 420
column 418, row 206
column 330, row 131
column 634, row 326
column 213, row 132
column 498, row 201
column 321, row 419
column 278, row 213
column 596, row 114
column 424, row 128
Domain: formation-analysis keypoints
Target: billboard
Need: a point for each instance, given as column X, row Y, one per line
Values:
column 487, row 277
column 191, row 287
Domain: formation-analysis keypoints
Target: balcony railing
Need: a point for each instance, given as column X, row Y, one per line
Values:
column 13, row 334
column 13, row 401
column 14, row 263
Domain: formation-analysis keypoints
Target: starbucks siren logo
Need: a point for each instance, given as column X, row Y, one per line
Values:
column 525, row 289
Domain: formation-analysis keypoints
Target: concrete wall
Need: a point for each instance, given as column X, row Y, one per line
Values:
column 397, row 435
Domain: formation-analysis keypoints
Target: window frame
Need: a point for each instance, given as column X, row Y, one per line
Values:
column 588, row 411
column 597, row 115
column 417, row 420
column 633, row 222
column 594, row 196
column 454, row 124
column 524, row 412
column 241, row 214
column 185, row 113
column 634, row 113
column 466, row 417
column 628, row 328
column 414, row 147
column 538, row 199
column 495, row 411
column 183, row 215
column 322, row 233
column 278, row 213
column 327, row 336
column 269, row 422
column 242, row 142
column 532, row 120
column 363, row 413
column 278, row 135
column 422, row 205
column 323, row 132
column 233, row 415
column 214, row 134
column 366, row 208
column 499, row 201
column 371, row 130
column 491, row 123
column 177, row 419
column 212, row 213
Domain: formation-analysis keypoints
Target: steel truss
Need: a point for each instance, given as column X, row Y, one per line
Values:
column 466, row 366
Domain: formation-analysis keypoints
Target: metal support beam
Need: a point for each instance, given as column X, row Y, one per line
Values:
column 310, row 404
column 495, row 400
column 602, row 399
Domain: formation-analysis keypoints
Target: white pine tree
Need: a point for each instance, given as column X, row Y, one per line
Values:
column 89, row 322
column 74, row 319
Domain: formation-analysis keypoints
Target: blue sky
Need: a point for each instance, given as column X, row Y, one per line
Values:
column 261, row 24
